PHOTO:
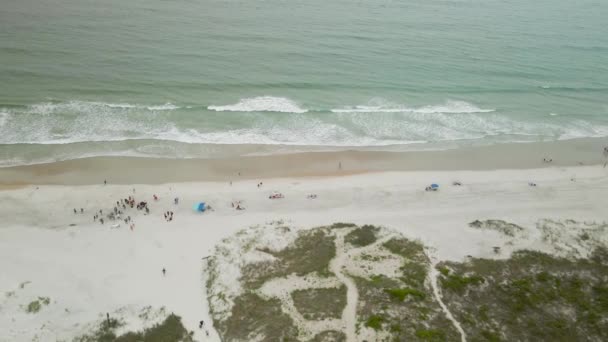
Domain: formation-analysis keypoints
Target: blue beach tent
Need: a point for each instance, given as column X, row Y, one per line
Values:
column 199, row 206
column 434, row 186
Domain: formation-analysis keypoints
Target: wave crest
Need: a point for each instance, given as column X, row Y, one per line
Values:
column 48, row 108
column 382, row 106
column 262, row 104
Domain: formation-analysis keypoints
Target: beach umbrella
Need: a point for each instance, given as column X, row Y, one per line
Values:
column 199, row 206
column 434, row 186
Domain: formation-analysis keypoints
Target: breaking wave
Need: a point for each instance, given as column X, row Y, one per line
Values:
column 381, row 106
column 377, row 123
column 262, row 104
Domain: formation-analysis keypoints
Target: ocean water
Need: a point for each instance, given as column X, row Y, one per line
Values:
column 185, row 78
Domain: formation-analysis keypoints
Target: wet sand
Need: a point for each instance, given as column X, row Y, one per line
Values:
column 139, row 170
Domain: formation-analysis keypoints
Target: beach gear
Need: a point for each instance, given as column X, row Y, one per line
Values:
column 200, row 206
column 434, row 186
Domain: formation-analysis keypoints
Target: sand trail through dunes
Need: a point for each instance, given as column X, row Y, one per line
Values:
column 433, row 276
column 349, row 315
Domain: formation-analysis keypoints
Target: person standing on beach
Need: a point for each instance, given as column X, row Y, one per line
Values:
column 105, row 182
column 164, row 272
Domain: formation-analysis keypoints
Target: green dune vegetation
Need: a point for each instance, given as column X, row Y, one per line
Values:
column 170, row 330
column 299, row 292
column 531, row 296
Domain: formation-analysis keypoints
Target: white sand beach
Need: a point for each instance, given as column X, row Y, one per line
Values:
column 88, row 269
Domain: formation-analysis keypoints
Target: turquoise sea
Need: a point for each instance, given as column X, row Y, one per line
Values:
column 185, row 77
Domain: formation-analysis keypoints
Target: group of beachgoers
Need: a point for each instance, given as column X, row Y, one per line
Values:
column 168, row 216
column 118, row 211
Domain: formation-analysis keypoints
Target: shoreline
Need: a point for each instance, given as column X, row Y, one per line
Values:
column 144, row 170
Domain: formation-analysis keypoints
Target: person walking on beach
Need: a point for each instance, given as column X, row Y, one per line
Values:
column 105, row 182
column 201, row 324
column 164, row 272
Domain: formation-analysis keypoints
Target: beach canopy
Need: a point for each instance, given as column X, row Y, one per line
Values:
column 434, row 186
column 199, row 206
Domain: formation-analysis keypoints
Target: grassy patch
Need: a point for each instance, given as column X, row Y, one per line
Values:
column 375, row 322
column 103, row 333
column 430, row 335
column 329, row 336
column 506, row 228
column 255, row 316
column 410, row 250
column 401, row 294
column 490, row 336
column 318, row 304
column 414, row 274
column 361, row 237
column 402, row 309
column 170, row 330
column 459, row 283
column 36, row 305
column 342, row 225
column 530, row 297
column 311, row 252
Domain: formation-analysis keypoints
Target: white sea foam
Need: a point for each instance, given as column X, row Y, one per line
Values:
column 449, row 107
column 80, row 107
column 166, row 106
column 3, row 118
column 81, row 122
column 262, row 104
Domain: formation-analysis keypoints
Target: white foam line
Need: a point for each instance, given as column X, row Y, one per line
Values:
column 449, row 107
column 262, row 104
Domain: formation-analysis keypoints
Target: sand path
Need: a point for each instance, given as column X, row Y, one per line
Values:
column 349, row 315
column 433, row 274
